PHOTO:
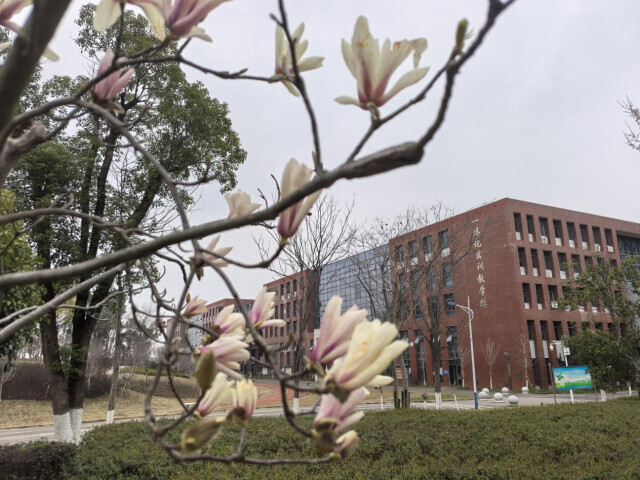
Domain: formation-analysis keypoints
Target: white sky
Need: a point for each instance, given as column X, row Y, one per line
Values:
column 535, row 113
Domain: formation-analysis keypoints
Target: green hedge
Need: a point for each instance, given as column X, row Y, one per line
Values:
column 36, row 460
column 586, row 441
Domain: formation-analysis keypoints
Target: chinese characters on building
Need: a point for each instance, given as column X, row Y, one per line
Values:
column 477, row 245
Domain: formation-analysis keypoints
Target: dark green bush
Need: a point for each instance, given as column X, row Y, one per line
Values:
column 150, row 371
column 586, row 441
column 36, row 460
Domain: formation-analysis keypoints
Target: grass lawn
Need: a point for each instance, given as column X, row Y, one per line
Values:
column 580, row 441
column 27, row 413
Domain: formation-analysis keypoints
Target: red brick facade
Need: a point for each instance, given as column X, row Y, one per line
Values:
column 494, row 277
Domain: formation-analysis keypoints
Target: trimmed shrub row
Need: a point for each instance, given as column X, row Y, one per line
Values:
column 586, row 441
column 36, row 460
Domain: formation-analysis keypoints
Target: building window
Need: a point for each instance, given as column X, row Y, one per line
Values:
column 598, row 325
column 609, row 238
column 557, row 330
column 586, row 326
column 530, row 230
column 596, row 236
column 295, row 286
column 415, row 281
column 417, row 309
column 548, row 262
column 402, row 283
column 427, row 245
column 571, row 326
column 553, row 294
column 562, row 261
column 295, row 308
column 399, row 254
column 295, row 327
column 518, row 222
column 447, row 275
column 534, row 260
column 449, row 309
column 575, row 264
column 413, row 249
column 557, row 229
column 443, row 239
column 282, row 291
column 544, row 228
column 271, row 331
column 571, row 230
column 288, row 288
column 275, row 313
column 431, row 279
column 539, row 297
column 281, row 331
column 433, row 307
column 584, row 234
column 526, row 295
column 288, row 310
column 522, row 260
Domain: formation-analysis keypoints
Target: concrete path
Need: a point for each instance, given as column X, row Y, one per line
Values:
column 27, row 434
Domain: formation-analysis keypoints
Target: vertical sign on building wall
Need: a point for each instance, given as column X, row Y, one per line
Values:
column 477, row 246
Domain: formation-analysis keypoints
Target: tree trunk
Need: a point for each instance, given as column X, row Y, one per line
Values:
column 62, row 431
column 116, row 362
column 405, row 384
column 396, row 394
column 436, row 357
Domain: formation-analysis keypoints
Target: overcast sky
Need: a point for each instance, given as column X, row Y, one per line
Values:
column 535, row 114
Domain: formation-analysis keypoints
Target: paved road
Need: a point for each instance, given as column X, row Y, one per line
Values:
column 26, row 434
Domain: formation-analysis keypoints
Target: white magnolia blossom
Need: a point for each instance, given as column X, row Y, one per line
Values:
column 346, row 445
column 218, row 393
column 9, row 8
column 373, row 67
column 370, row 351
column 284, row 60
column 336, row 331
column 228, row 322
column 240, row 204
column 107, row 88
column 244, row 399
column 220, row 252
column 108, row 12
column 181, row 17
column 228, row 351
column 263, row 309
column 334, row 416
column 196, row 306
column 295, row 176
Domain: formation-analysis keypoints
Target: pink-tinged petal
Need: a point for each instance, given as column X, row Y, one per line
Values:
column 119, row 83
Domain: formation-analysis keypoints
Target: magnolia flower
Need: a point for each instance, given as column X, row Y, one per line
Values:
column 336, row 331
column 369, row 353
column 219, row 392
column 345, row 445
column 199, row 434
column 240, row 204
column 108, row 12
column 9, row 8
column 372, row 67
column 333, row 416
column 228, row 322
column 245, row 398
column 183, row 16
column 106, row 89
column 262, row 311
column 295, row 176
column 221, row 252
column 228, row 351
column 284, row 61
column 195, row 307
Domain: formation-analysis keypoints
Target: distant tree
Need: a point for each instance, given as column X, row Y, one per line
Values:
column 617, row 290
column 7, row 372
column 603, row 353
column 490, row 352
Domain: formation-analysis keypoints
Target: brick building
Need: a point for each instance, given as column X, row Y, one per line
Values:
column 510, row 258
column 296, row 302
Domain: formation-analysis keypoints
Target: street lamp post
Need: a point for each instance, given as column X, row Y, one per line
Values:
column 473, row 360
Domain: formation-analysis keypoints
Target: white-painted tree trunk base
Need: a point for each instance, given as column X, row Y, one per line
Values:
column 110, row 415
column 438, row 400
column 603, row 396
column 76, row 423
column 296, row 404
column 62, row 428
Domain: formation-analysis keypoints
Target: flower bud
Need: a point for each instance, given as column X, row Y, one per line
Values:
column 199, row 434
column 205, row 370
column 461, row 34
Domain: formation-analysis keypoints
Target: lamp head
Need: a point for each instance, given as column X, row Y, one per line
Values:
column 451, row 304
